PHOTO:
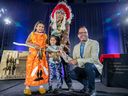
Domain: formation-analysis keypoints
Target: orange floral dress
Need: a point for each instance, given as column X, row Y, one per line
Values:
column 37, row 69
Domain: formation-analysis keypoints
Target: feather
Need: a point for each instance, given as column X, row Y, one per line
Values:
column 34, row 71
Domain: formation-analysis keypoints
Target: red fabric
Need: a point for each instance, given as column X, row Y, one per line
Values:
column 103, row 56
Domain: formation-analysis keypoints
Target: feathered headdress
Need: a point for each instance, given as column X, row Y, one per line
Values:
column 63, row 7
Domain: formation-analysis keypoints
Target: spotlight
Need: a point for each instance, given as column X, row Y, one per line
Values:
column 118, row 14
column 2, row 10
column 126, row 21
column 126, row 8
column 7, row 21
column 0, row 15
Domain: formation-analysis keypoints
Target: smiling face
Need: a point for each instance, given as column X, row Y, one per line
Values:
column 40, row 28
column 59, row 15
column 53, row 41
column 83, row 34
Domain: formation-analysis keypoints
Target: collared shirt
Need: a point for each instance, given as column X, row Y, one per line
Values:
column 82, row 46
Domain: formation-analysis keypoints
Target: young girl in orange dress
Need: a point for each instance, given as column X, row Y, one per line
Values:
column 37, row 66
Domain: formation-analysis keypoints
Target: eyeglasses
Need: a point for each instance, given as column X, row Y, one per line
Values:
column 81, row 32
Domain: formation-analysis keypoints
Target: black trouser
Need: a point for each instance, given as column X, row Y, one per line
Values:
column 67, row 77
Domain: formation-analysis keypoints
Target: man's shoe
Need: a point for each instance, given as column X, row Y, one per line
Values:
column 50, row 90
column 70, row 89
column 85, row 91
column 27, row 92
column 57, row 90
column 92, row 92
column 42, row 90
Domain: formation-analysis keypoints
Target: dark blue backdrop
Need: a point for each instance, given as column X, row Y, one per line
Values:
column 102, row 21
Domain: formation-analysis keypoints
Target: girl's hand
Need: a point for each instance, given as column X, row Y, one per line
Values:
column 60, row 49
column 58, row 53
column 74, row 61
column 47, row 45
column 37, row 47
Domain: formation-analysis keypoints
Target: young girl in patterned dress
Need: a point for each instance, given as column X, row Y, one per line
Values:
column 55, row 65
column 37, row 66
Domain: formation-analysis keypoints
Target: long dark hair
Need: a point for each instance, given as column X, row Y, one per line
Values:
column 57, row 40
column 38, row 22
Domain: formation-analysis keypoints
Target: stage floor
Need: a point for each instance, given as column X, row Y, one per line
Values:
column 16, row 87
